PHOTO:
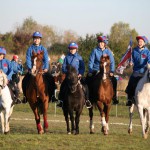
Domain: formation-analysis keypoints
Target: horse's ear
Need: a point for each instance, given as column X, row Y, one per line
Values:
column 33, row 53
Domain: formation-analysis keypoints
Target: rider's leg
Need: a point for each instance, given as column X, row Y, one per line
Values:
column 130, row 90
column 62, row 93
column 114, row 83
column 86, row 93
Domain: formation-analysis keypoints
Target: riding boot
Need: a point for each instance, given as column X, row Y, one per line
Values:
column 114, row 83
column 86, row 93
column 61, row 94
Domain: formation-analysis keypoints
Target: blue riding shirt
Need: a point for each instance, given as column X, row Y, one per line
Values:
column 74, row 60
column 6, row 66
column 37, row 49
column 94, row 60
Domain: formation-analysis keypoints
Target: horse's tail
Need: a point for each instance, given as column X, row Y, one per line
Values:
column 40, row 106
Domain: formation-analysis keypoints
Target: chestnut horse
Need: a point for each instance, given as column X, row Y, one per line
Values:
column 101, row 93
column 74, row 100
column 38, row 91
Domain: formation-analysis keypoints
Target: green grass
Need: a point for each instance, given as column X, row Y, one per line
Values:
column 24, row 135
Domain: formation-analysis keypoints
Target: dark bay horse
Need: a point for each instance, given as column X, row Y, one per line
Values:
column 39, row 91
column 101, row 93
column 73, row 101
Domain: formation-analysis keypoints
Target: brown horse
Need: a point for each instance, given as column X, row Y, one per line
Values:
column 101, row 93
column 38, row 91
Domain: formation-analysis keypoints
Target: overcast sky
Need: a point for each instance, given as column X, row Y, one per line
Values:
column 81, row 16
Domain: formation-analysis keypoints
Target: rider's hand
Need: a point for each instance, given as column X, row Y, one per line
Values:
column 79, row 76
column 90, row 74
column 45, row 70
column 111, row 74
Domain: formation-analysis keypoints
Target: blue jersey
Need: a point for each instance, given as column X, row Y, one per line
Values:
column 17, row 68
column 94, row 60
column 140, row 59
column 74, row 60
column 6, row 66
column 37, row 49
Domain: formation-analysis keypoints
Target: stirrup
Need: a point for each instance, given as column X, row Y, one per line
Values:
column 88, row 104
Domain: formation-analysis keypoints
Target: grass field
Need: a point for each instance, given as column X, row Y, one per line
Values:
column 23, row 135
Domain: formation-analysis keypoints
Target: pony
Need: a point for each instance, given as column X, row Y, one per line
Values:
column 39, row 91
column 101, row 93
column 6, row 107
column 142, row 101
column 74, row 100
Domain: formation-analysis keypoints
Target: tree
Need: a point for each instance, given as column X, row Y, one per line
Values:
column 119, row 38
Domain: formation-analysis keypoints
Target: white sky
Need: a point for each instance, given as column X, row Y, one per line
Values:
column 81, row 16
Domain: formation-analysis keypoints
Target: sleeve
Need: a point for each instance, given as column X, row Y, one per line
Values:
column 10, row 71
column 81, row 66
column 91, row 61
column 45, row 59
column 112, row 62
column 64, row 70
column 28, row 58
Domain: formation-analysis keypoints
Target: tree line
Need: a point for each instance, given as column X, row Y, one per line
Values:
column 56, row 41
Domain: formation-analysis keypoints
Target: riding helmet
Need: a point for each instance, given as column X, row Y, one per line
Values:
column 37, row 34
column 102, row 39
column 2, row 50
column 144, row 38
column 73, row 45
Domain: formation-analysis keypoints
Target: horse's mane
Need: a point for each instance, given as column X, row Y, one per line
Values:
column 5, row 80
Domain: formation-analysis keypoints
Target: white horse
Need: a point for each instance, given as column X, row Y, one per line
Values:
column 142, row 101
column 6, row 107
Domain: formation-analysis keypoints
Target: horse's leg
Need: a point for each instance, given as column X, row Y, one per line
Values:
column 45, row 115
column 6, row 122
column 148, row 121
column 102, row 114
column 2, row 121
column 37, row 119
column 141, row 113
column 131, row 108
column 77, row 120
column 91, row 120
column 106, row 111
column 67, row 120
column 72, row 122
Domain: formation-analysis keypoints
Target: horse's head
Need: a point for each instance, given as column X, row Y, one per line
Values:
column 104, row 65
column 72, row 78
column 55, row 68
column 3, row 80
column 37, row 62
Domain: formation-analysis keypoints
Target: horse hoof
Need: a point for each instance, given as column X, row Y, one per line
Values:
column 145, row 136
column 76, row 133
column 6, row 132
column 45, row 130
column 130, row 131
column 40, row 132
column 69, row 133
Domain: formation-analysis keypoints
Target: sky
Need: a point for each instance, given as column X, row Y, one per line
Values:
column 81, row 16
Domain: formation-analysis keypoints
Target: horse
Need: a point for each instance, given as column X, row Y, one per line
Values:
column 6, row 107
column 74, row 100
column 101, row 93
column 142, row 101
column 38, row 92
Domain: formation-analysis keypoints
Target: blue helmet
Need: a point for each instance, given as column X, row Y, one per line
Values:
column 73, row 45
column 37, row 34
column 102, row 39
column 2, row 50
column 144, row 38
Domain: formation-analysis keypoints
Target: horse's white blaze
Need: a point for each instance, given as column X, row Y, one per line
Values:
column 5, row 103
column 104, row 75
column 33, row 70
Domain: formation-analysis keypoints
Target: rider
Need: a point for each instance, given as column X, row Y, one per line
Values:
column 73, row 59
column 94, row 62
column 7, row 68
column 140, row 58
column 37, row 47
